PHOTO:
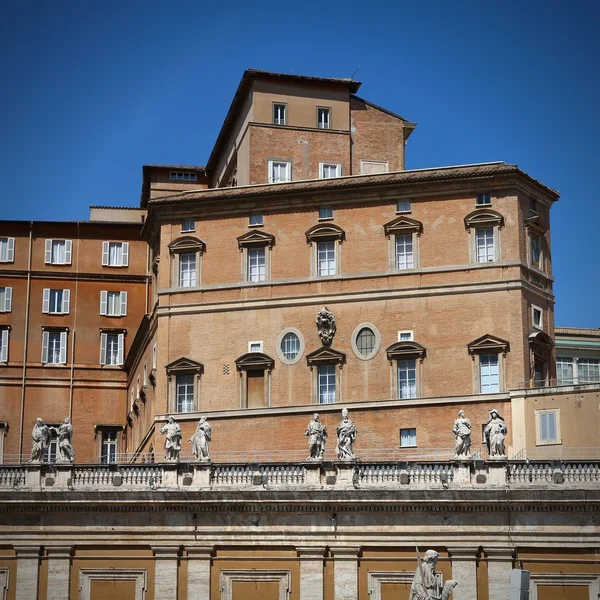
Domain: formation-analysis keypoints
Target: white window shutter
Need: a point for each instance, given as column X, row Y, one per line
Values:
column 68, row 251
column 270, row 171
column 10, row 254
column 123, row 304
column 7, row 299
column 125, row 254
column 46, row 301
column 103, row 302
column 4, row 355
column 121, row 348
column 63, row 347
column 45, row 336
column 48, row 252
column 66, row 302
column 102, row 348
column 104, row 254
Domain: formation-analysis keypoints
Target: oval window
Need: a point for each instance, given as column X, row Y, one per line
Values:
column 290, row 345
column 365, row 341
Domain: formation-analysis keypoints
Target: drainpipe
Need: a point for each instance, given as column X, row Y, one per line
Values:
column 26, row 338
column 74, row 304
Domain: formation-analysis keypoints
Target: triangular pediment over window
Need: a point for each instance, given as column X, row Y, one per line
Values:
column 185, row 364
column 483, row 217
column 254, row 361
column 187, row 244
column 325, row 231
column 536, row 223
column 256, row 238
column 325, row 356
column 403, row 350
column 488, row 343
column 401, row 225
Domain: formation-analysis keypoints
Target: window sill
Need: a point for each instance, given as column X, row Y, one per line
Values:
column 403, row 212
column 256, row 225
column 320, row 219
column 188, row 231
column 489, row 205
column 415, row 446
column 552, row 443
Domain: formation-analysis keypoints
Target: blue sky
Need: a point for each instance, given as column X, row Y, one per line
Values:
column 93, row 90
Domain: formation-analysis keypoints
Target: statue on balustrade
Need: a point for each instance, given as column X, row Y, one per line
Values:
column 64, row 435
column 494, row 434
column 427, row 584
column 346, row 434
column 200, row 440
column 317, row 436
column 462, row 431
column 41, row 440
column 326, row 326
column 173, row 440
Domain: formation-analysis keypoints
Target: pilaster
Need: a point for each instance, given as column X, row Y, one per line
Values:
column 166, row 559
column 500, row 564
column 59, row 568
column 28, row 560
column 199, row 563
column 464, row 570
column 311, row 572
column 345, row 573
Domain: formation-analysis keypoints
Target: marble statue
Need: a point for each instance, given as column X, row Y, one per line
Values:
column 200, row 440
column 346, row 434
column 64, row 435
column 317, row 436
column 462, row 431
column 427, row 583
column 41, row 440
column 494, row 433
column 173, row 440
column 326, row 326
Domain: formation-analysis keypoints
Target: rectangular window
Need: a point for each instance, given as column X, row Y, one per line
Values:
column 154, row 356
column 187, row 270
column 182, row 176
column 408, row 438
column 326, row 383
column 325, row 212
column 108, row 452
column 7, row 249
column 255, row 220
column 54, row 347
column 484, row 240
column 564, row 371
column 112, row 348
column 405, row 336
column 279, row 171
column 185, row 393
column 115, row 254
column 52, row 449
column 533, row 207
column 588, row 370
column 403, row 206
column 4, row 333
column 489, row 373
column 484, row 199
column 255, row 346
column 279, row 114
column 407, row 378
column 535, row 250
column 547, row 426
column 58, row 252
column 257, row 264
column 188, row 225
column 5, row 299
column 537, row 317
column 326, row 258
column 113, row 304
column 324, row 118
column 329, row 170
column 404, row 251
column 56, row 302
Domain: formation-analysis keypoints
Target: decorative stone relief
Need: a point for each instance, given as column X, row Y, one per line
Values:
column 462, row 432
column 173, row 440
column 326, row 326
column 200, row 440
column 494, row 434
column 317, row 436
column 346, row 434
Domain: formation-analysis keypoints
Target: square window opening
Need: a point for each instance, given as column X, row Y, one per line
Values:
column 484, row 199
column 408, row 437
column 403, row 206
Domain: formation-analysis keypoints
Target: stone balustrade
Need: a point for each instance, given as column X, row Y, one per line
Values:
column 305, row 475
